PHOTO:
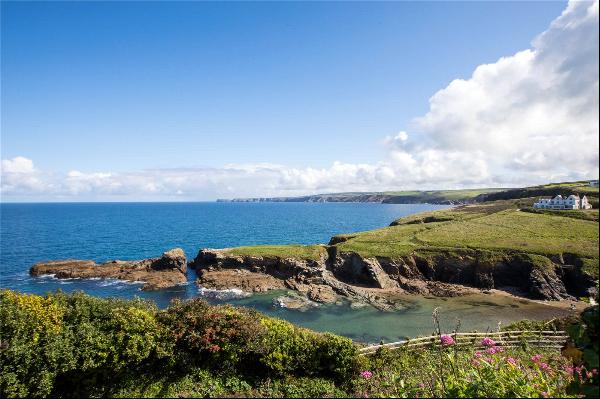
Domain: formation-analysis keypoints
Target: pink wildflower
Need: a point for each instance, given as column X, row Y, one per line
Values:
column 536, row 358
column 543, row 366
column 488, row 342
column 491, row 350
column 511, row 361
column 366, row 374
column 499, row 349
column 570, row 369
column 475, row 363
column 544, row 394
column 446, row 340
column 478, row 355
column 594, row 371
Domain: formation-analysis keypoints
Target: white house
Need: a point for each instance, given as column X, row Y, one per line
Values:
column 558, row 202
column 593, row 183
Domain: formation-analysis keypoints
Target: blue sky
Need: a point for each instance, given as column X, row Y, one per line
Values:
column 121, row 88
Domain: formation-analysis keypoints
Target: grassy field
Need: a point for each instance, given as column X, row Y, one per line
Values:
column 312, row 252
column 515, row 230
column 491, row 227
column 587, row 214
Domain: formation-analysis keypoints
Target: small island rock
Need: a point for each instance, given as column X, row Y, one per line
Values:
column 167, row 271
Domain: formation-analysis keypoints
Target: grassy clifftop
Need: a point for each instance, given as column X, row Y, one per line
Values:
column 473, row 227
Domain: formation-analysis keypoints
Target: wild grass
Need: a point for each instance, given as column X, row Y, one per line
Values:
column 311, row 252
column 585, row 214
column 520, row 231
column 471, row 227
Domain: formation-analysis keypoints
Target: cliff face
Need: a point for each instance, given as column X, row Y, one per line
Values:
column 167, row 271
column 377, row 280
column 534, row 276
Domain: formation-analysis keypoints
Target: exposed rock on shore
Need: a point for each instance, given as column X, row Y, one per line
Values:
column 294, row 302
column 167, row 271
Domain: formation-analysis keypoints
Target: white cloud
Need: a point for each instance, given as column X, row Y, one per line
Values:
column 17, row 165
column 20, row 176
column 528, row 118
column 534, row 114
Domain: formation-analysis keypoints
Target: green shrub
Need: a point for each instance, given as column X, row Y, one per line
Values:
column 338, row 355
column 65, row 341
column 222, row 336
column 35, row 344
column 288, row 349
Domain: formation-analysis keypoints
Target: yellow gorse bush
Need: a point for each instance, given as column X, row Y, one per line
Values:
column 43, row 315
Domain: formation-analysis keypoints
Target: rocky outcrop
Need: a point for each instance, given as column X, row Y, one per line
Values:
column 167, row 271
column 327, row 280
column 380, row 280
column 241, row 279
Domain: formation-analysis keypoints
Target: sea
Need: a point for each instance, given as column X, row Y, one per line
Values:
column 32, row 233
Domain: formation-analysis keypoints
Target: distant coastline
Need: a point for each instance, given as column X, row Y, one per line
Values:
column 436, row 197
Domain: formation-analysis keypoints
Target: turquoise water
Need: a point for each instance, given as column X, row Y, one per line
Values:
column 479, row 312
column 102, row 231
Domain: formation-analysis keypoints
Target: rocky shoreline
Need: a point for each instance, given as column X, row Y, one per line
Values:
column 336, row 276
column 380, row 281
column 156, row 273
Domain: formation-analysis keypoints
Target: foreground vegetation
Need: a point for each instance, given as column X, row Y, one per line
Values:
column 78, row 345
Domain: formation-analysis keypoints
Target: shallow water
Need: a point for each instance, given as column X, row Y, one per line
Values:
column 36, row 232
column 479, row 312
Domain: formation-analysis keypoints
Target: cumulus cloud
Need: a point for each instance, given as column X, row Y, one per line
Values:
column 533, row 115
column 20, row 176
column 527, row 118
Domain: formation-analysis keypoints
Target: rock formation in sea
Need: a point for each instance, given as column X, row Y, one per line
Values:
column 166, row 271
